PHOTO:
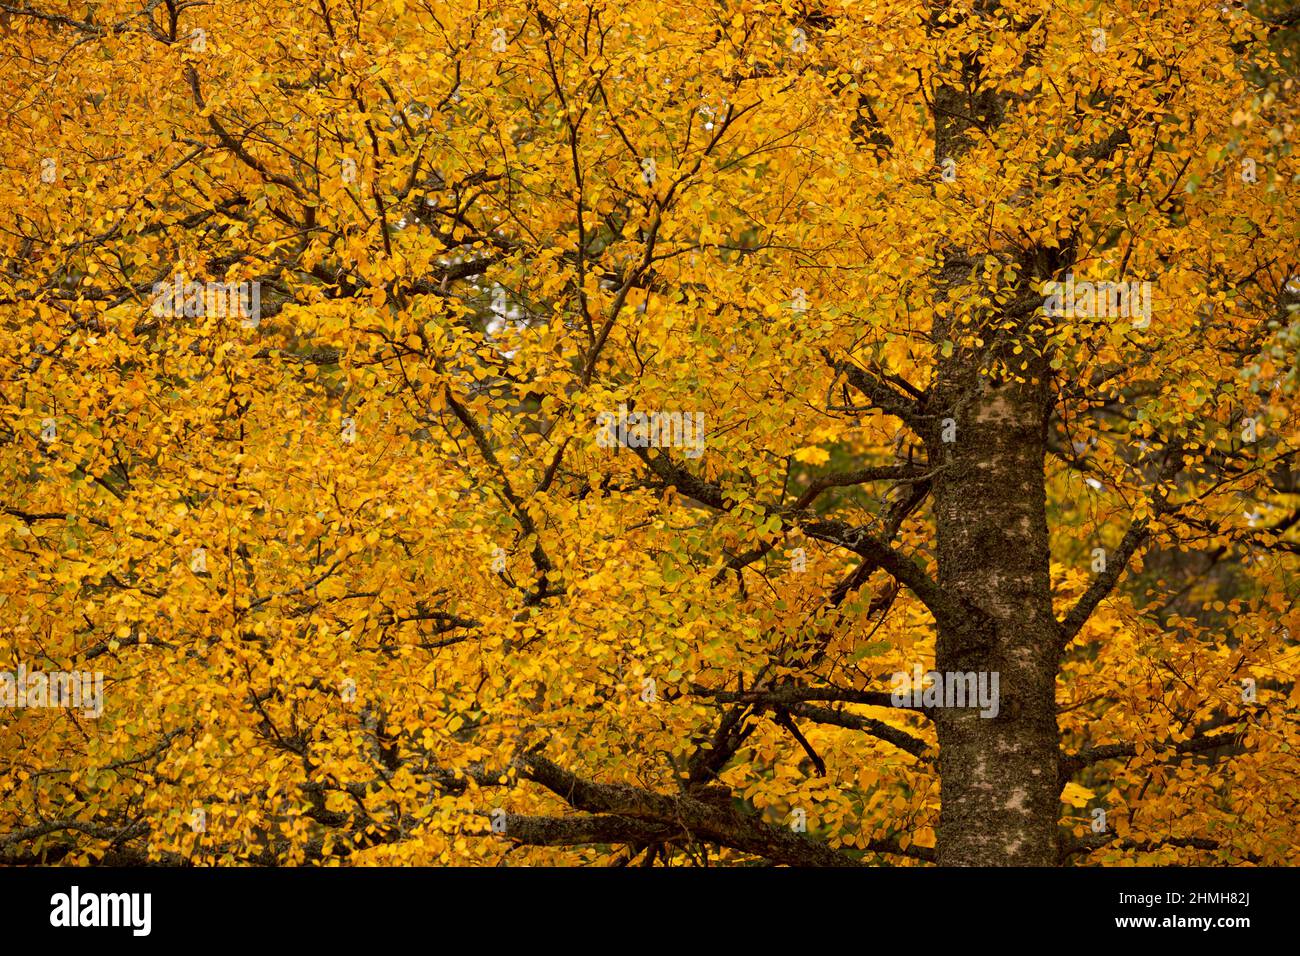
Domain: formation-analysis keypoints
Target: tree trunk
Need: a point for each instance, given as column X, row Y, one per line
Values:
column 999, row 786
column 998, row 775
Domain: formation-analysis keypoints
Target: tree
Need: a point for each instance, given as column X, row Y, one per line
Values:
column 577, row 430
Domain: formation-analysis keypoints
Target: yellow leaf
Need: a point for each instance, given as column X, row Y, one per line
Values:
column 1076, row 796
column 812, row 455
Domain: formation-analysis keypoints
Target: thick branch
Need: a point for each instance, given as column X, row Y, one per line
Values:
column 1096, row 841
column 603, row 828
column 899, row 738
column 1104, row 583
column 1070, row 764
column 706, row 821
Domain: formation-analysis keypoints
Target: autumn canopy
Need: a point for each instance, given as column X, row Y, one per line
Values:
column 558, row 432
